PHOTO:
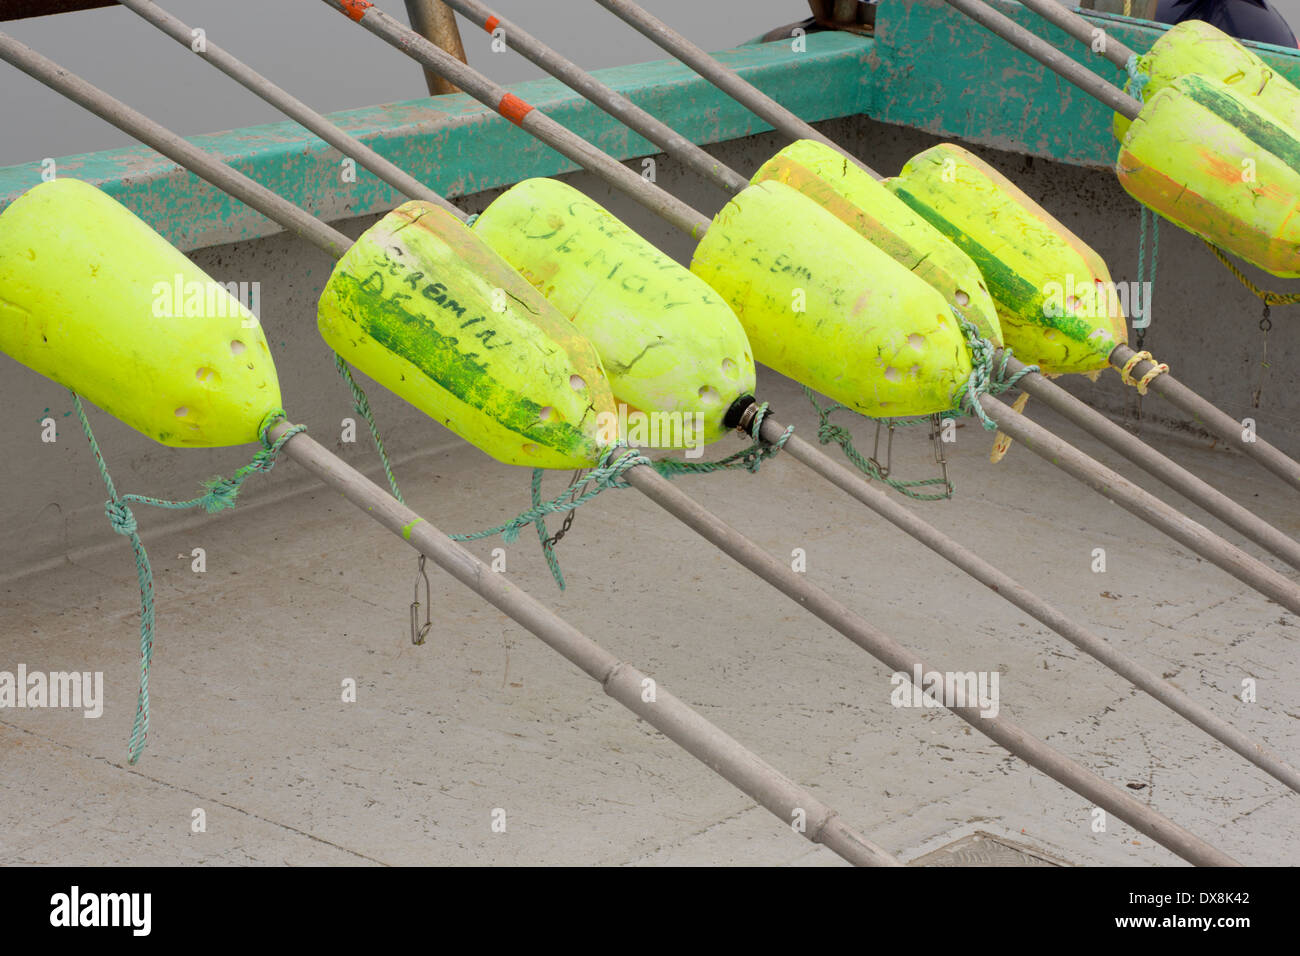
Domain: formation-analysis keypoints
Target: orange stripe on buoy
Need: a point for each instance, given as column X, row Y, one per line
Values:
column 514, row 109
column 491, row 24
column 355, row 9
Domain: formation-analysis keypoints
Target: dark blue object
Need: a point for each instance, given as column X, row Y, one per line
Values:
column 1243, row 19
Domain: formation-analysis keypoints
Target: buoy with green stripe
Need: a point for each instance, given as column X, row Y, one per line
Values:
column 425, row 307
column 1056, row 302
column 857, row 198
column 1211, row 158
column 95, row 299
column 670, row 344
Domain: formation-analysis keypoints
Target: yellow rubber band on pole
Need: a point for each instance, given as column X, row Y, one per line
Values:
column 1157, row 369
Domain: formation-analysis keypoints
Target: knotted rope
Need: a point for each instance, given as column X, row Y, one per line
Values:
column 221, row 494
column 608, row 473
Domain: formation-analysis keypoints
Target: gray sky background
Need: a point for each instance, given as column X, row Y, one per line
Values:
column 318, row 56
column 311, row 51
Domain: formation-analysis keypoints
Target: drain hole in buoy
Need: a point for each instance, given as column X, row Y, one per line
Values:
column 916, row 340
column 205, row 374
column 182, row 412
column 1072, row 303
column 530, row 449
column 961, row 298
column 729, row 368
column 577, row 383
column 709, row 395
column 892, row 374
column 237, row 347
column 546, row 413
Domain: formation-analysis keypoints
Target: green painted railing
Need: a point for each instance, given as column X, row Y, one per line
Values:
column 928, row 67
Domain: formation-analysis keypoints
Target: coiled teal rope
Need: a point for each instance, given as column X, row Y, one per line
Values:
column 221, row 494
column 1137, row 80
column 1148, row 220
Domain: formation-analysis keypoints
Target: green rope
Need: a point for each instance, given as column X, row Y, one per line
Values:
column 1137, row 80
column 828, row 432
column 988, row 376
column 221, row 494
column 362, row 405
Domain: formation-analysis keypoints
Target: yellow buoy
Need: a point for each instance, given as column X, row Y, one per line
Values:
column 671, row 345
column 824, row 306
column 1057, row 304
column 1195, row 46
column 423, row 306
column 1208, row 158
column 93, row 298
column 855, row 197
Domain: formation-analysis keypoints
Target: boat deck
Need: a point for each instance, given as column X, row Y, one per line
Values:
column 302, row 591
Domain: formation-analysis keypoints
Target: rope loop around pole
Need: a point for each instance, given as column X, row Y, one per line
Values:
column 988, row 375
column 221, row 494
column 1157, row 369
column 1137, row 80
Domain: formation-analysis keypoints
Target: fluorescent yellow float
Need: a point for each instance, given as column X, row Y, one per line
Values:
column 1057, row 304
column 423, row 306
column 824, row 306
column 1209, row 159
column 669, row 343
column 858, row 199
column 93, row 298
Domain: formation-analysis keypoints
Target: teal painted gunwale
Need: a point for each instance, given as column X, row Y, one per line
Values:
column 454, row 144
column 928, row 67
column 938, row 71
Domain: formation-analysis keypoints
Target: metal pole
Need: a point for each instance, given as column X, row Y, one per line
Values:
column 1220, row 423
column 1079, row 28
column 1046, row 54
column 524, row 115
column 673, row 718
column 1140, row 453
column 1005, row 586
column 613, row 103
column 724, row 78
column 888, row 651
column 1144, row 505
column 292, row 107
column 436, row 23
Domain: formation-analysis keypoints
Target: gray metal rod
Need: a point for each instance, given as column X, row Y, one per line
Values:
column 292, row 107
column 1175, row 476
column 1079, row 28
column 1144, row 505
column 889, row 508
column 175, row 148
column 724, row 78
column 889, row 652
column 1215, row 421
column 496, row 97
column 675, row 719
column 615, row 104
column 1046, row 54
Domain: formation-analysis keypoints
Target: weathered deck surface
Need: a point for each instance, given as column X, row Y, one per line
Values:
column 303, row 592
